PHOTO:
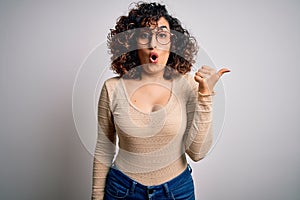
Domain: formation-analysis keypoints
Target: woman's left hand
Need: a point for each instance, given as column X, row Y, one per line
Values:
column 207, row 78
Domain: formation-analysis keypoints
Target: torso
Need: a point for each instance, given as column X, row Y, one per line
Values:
column 150, row 120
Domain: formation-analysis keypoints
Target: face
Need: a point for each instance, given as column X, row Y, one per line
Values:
column 154, row 46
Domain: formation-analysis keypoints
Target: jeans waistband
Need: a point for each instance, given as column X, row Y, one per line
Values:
column 172, row 183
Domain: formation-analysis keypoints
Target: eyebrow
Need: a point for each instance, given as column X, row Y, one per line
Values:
column 162, row 27
column 159, row 28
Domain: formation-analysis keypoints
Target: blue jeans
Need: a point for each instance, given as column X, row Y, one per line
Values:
column 120, row 186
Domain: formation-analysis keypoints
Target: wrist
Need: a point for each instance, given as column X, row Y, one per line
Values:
column 206, row 92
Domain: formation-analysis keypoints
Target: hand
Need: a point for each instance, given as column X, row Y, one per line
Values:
column 207, row 78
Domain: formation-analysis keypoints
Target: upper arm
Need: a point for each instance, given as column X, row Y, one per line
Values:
column 105, row 117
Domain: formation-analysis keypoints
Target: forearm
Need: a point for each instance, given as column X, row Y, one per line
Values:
column 200, row 135
column 99, row 177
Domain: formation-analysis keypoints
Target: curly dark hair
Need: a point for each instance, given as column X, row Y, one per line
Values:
column 123, row 47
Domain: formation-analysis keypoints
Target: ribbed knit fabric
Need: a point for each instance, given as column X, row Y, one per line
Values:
column 152, row 146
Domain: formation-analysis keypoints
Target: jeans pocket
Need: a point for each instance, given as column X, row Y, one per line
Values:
column 116, row 190
column 185, row 191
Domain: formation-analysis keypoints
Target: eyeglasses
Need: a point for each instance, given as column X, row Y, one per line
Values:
column 162, row 37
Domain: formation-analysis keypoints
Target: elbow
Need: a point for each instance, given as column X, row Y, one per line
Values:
column 200, row 151
column 196, row 157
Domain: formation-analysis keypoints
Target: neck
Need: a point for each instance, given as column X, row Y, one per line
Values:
column 159, row 76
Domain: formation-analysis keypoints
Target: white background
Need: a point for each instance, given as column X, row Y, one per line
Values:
column 43, row 43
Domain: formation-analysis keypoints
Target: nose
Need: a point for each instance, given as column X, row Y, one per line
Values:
column 153, row 42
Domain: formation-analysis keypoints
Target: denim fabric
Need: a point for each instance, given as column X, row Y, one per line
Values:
column 120, row 186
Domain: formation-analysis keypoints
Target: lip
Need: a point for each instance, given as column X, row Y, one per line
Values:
column 153, row 57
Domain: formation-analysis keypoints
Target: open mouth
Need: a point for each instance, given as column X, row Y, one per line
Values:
column 153, row 57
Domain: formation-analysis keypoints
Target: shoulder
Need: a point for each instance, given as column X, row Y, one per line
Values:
column 185, row 87
column 109, row 86
column 112, row 80
column 111, row 83
column 187, row 80
column 190, row 78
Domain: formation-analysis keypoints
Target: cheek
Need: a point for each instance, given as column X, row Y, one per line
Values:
column 165, row 51
column 165, row 47
column 141, row 54
column 165, row 55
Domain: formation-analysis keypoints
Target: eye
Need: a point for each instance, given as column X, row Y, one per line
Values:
column 144, row 35
column 162, row 35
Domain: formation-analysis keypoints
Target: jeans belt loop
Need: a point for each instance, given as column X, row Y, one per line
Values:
column 167, row 190
column 133, row 187
column 190, row 168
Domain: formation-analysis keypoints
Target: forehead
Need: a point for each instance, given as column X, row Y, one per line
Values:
column 162, row 22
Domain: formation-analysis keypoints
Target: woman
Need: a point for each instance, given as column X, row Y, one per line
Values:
column 158, row 111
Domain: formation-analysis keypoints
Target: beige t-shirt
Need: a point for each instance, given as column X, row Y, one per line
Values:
column 152, row 145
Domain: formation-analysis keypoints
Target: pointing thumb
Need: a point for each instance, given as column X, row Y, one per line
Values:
column 222, row 71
